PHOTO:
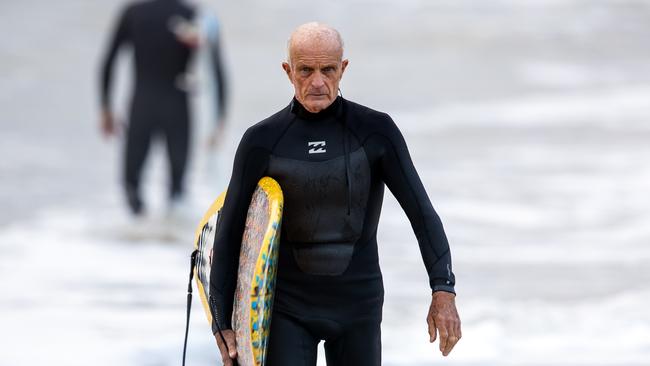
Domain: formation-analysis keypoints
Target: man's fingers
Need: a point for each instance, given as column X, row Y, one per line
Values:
column 107, row 129
column 221, row 345
column 230, row 352
column 232, row 345
column 444, row 334
column 432, row 329
column 451, row 342
column 453, row 337
column 227, row 361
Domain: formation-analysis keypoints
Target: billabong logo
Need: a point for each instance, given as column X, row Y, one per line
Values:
column 317, row 147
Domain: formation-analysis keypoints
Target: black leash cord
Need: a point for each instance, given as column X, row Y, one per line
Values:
column 189, row 302
column 189, row 309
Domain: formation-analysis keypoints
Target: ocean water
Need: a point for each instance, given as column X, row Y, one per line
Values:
column 527, row 121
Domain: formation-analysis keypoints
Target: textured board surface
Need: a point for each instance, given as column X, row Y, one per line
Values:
column 257, row 268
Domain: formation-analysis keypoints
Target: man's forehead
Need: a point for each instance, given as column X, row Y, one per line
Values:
column 316, row 52
column 316, row 45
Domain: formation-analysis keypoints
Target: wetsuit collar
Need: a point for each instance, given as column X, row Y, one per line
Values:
column 300, row 111
column 334, row 109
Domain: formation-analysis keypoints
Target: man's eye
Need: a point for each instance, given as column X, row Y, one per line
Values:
column 305, row 70
column 328, row 69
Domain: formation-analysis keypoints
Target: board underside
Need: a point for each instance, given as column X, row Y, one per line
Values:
column 257, row 268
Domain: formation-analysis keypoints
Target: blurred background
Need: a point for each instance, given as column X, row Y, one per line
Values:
column 529, row 122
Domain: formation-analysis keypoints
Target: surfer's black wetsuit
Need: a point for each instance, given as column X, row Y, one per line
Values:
column 160, row 100
column 331, row 167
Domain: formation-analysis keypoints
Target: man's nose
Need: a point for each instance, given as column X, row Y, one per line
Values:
column 317, row 81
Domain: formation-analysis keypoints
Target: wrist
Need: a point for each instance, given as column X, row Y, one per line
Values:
column 443, row 288
column 443, row 293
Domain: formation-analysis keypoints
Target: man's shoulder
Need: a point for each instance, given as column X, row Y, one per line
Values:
column 266, row 131
column 366, row 121
column 272, row 122
column 137, row 5
column 147, row 6
column 364, row 111
column 136, row 8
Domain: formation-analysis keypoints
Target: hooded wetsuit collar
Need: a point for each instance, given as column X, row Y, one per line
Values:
column 300, row 111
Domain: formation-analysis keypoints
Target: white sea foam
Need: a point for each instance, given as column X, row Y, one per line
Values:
column 622, row 108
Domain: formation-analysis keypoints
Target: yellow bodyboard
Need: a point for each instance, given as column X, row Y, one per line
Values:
column 257, row 268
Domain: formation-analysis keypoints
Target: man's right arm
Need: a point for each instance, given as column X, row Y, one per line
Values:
column 219, row 74
column 120, row 35
column 249, row 166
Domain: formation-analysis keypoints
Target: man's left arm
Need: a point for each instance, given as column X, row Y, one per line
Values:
column 403, row 181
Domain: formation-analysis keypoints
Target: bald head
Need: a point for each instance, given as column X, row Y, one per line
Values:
column 314, row 35
column 315, row 65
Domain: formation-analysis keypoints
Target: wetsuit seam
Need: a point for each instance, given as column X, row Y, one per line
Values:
column 412, row 192
column 284, row 132
column 441, row 256
column 249, row 156
column 321, row 161
column 346, row 126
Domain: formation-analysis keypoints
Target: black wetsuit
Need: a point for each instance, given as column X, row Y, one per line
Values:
column 331, row 167
column 159, row 104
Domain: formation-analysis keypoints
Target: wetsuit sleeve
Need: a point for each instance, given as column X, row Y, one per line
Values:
column 249, row 166
column 402, row 179
column 120, row 36
column 219, row 73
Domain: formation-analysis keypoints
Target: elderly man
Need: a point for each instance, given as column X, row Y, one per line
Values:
column 332, row 158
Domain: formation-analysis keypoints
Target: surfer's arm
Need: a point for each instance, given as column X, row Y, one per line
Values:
column 249, row 166
column 119, row 36
column 402, row 179
column 220, row 81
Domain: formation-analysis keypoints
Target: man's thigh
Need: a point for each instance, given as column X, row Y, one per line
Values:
column 290, row 343
column 359, row 345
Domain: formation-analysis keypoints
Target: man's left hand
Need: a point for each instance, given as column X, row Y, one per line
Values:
column 443, row 320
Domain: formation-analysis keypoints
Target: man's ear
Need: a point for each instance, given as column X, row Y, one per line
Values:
column 344, row 64
column 287, row 69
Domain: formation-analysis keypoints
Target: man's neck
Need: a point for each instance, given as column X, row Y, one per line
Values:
column 298, row 109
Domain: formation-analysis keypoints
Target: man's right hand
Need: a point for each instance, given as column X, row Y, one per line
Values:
column 228, row 354
column 216, row 136
column 107, row 124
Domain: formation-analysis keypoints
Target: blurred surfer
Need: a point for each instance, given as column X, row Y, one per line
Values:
column 332, row 158
column 164, row 36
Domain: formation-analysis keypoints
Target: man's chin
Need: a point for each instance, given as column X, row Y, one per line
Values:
column 317, row 104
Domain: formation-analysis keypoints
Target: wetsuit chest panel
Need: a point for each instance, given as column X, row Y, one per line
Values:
column 316, row 222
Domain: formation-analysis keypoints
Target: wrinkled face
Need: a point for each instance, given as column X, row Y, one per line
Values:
column 315, row 71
